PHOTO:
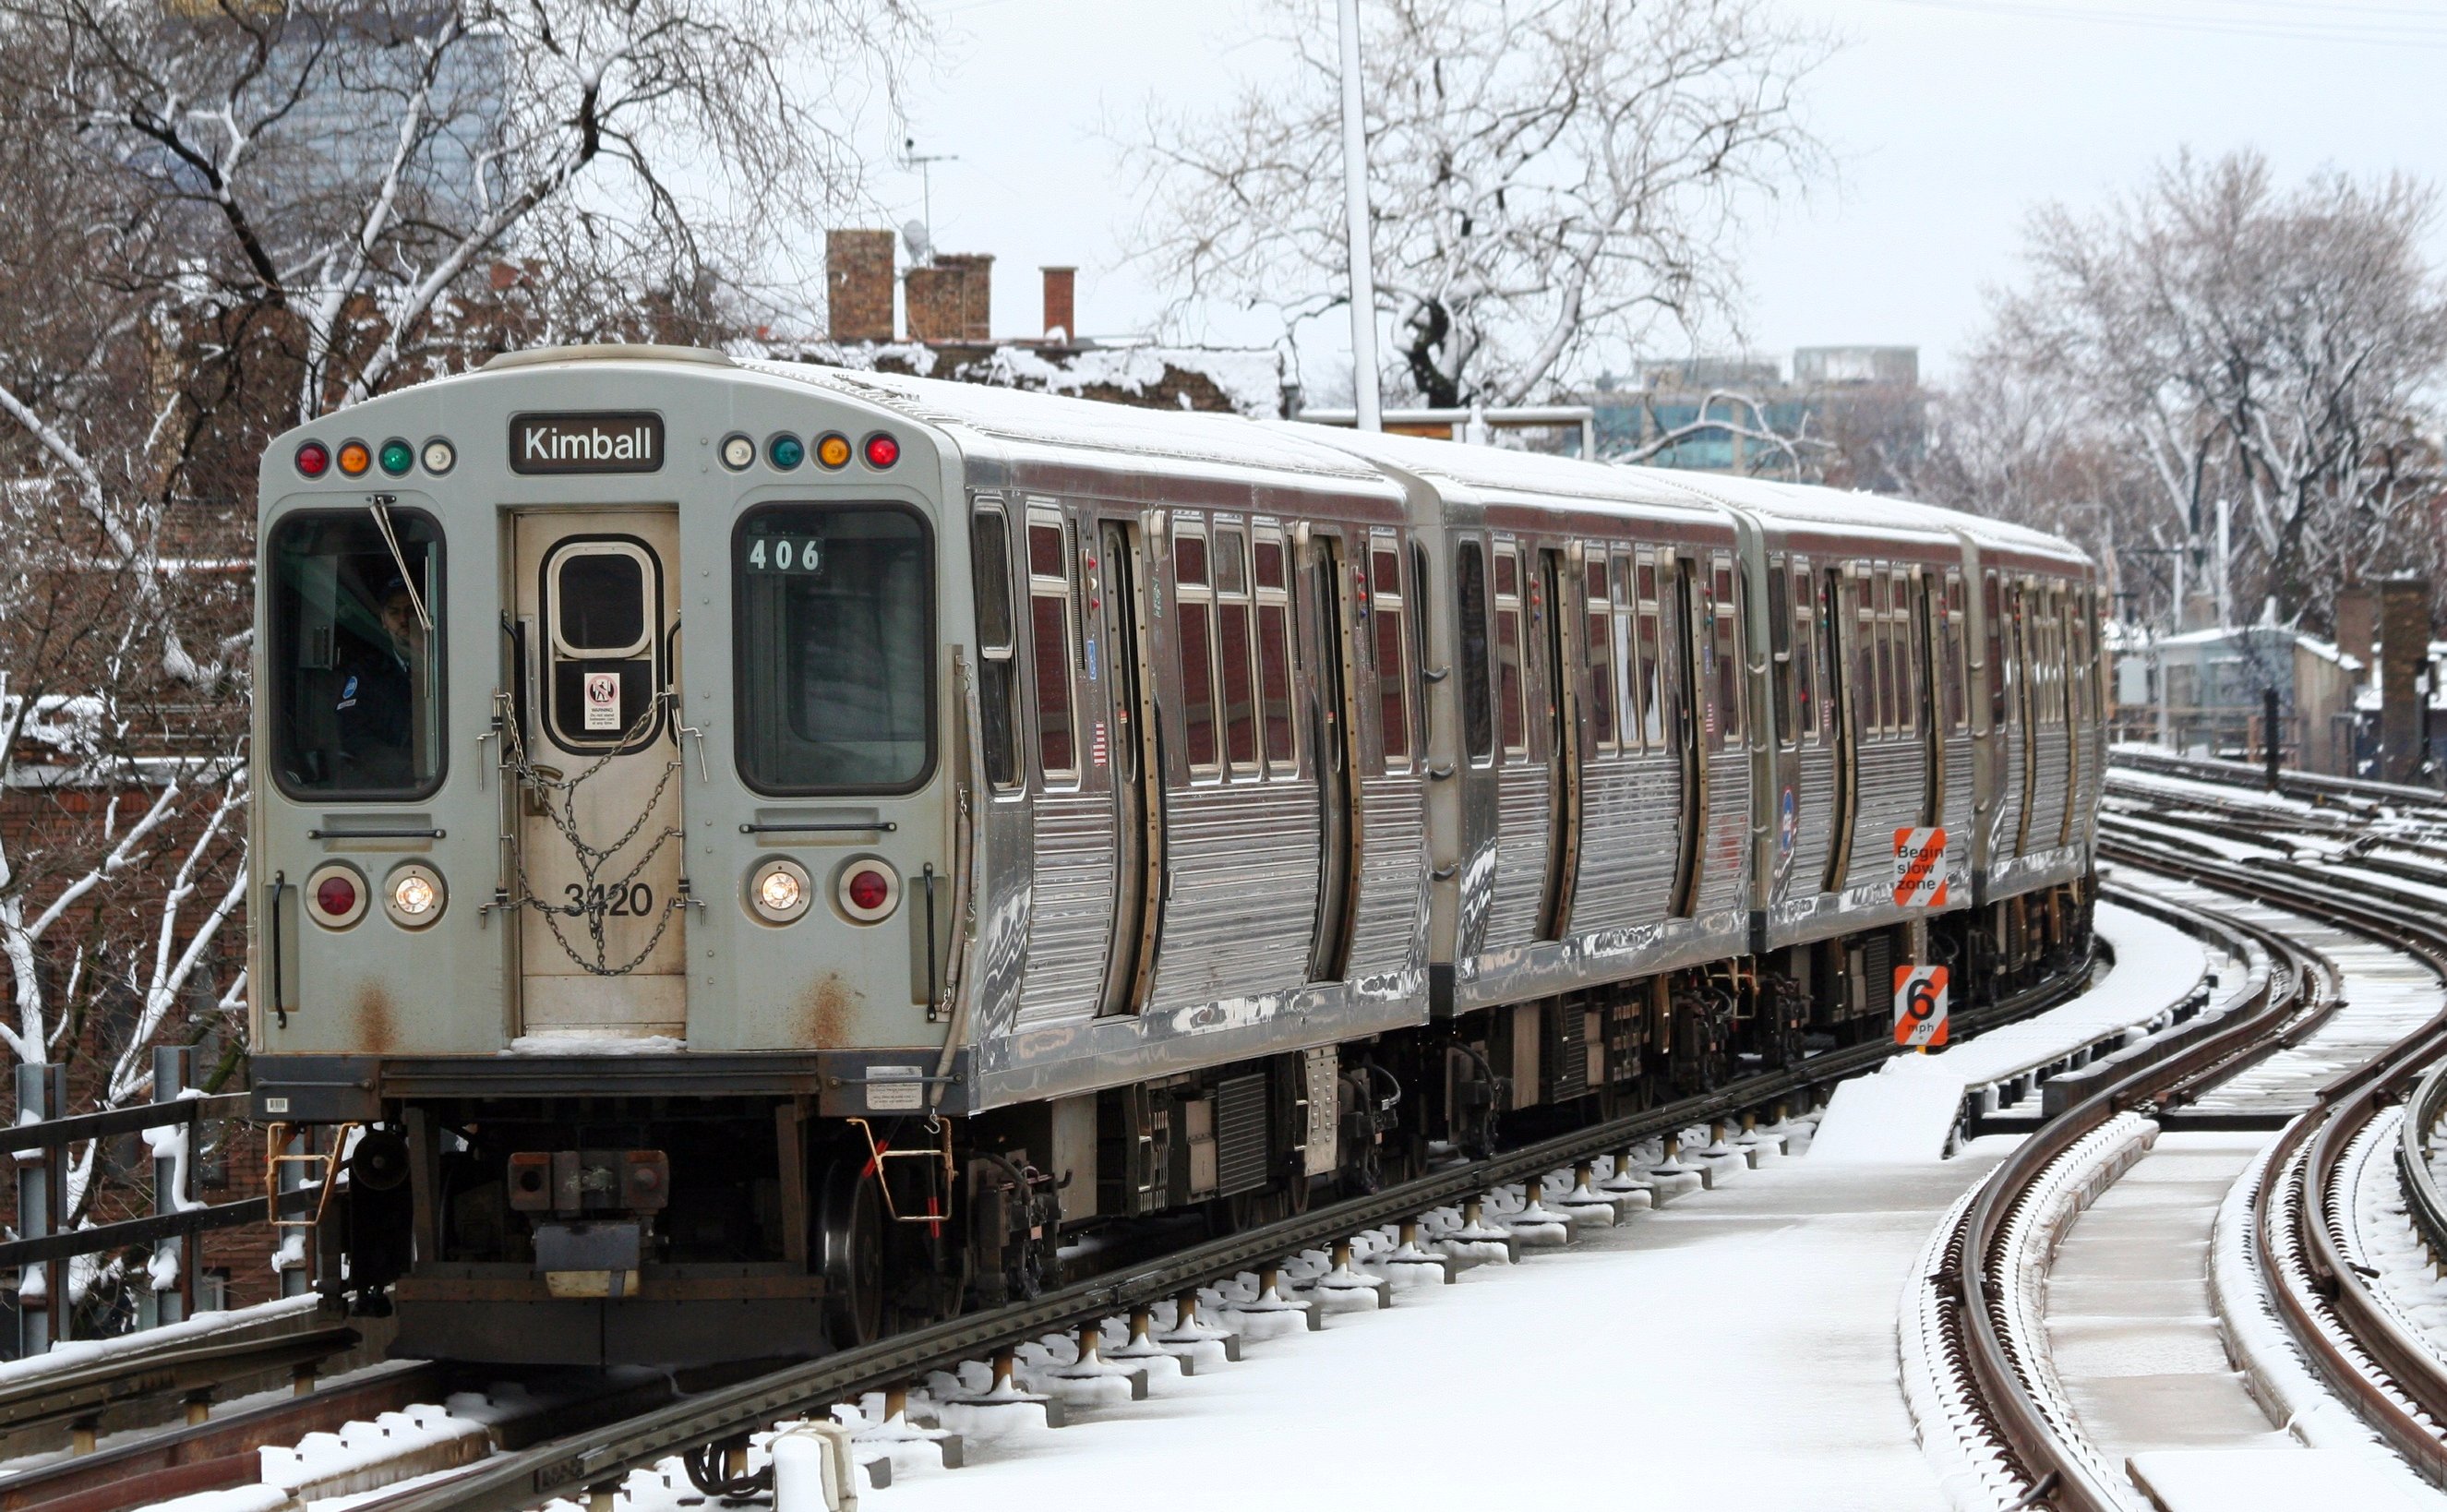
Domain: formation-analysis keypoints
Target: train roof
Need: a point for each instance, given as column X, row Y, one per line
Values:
column 1482, row 472
column 1851, row 511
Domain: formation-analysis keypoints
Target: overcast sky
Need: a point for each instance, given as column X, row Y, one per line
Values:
column 1950, row 119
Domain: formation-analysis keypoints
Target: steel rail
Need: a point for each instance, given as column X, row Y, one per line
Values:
column 506, row 1482
column 2291, row 784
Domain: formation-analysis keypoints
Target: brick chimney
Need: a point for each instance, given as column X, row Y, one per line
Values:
column 976, row 292
column 1061, row 322
column 934, row 302
column 858, row 284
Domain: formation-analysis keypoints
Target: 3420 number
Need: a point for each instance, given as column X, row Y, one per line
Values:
column 636, row 900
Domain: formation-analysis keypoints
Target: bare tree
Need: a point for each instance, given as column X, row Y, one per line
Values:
column 1546, row 177
column 2215, row 336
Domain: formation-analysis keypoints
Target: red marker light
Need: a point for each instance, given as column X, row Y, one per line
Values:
column 313, row 459
column 882, row 449
column 336, row 896
column 869, row 890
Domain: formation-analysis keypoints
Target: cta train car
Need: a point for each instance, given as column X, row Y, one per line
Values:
column 757, row 855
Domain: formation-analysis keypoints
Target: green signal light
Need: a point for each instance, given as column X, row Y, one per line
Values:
column 397, row 457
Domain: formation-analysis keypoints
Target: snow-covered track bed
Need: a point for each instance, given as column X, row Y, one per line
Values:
column 989, row 1358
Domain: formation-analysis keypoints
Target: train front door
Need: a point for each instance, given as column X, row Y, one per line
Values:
column 596, row 772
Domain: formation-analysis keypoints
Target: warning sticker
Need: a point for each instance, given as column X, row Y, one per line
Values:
column 1920, row 1005
column 602, row 702
column 1919, row 868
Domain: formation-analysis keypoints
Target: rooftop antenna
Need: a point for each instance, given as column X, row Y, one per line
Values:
column 923, row 247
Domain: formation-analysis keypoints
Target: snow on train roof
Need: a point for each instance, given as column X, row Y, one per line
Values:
column 1804, row 503
column 1026, row 421
column 1495, row 469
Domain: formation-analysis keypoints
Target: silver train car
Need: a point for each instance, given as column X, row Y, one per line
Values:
column 755, row 855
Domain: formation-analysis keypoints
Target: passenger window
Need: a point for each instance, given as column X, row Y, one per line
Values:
column 997, row 664
column 1650, row 677
column 355, row 673
column 1232, row 648
column 1958, row 668
column 1275, row 653
column 1194, row 598
column 1393, row 670
column 1909, row 672
column 1805, row 652
column 1625, row 652
column 1597, row 621
column 602, row 598
column 1469, row 592
column 1049, row 637
column 1729, row 650
column 1509, row 683
column 1779, row 630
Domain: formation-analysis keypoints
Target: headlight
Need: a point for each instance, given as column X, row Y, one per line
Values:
column 413, row 895
column 737, row 452
column 335, row 895
column 779, row 891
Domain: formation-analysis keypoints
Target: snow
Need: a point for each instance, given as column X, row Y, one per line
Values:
column 1909, row 1110
column 580, row 1043
column 2265, row 1481
column 256, row 1498
column 76, row 1353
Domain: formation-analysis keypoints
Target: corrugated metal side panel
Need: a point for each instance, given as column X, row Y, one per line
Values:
column 1962, row 802
column 1523, row 832
column 1240, row 1134
column 1817, row 806
column 1894, row 778
column 2049, row 794
column 1729, row 830
column 1070, row 909
column 1393, row 876
column 1242, row 896
column 1631, row 825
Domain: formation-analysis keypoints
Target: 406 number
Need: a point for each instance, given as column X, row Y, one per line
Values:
column 634, row 901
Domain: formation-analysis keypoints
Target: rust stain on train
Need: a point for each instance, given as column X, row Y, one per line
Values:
column 371, row 1006
column 825, row 1009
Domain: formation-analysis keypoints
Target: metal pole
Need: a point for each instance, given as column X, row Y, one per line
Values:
column 1354, row 199
column 2275, row 734
column 42, row 1094
column 159, row 1304
column 2226, row 564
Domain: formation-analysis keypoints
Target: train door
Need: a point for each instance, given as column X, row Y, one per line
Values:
column 1692, row 720
column 1118, row 574
column 1839, row 630
column 1928, row 652
column 597, row 766
column 1553, row 635
column 2019, row 710
column 1326, row 647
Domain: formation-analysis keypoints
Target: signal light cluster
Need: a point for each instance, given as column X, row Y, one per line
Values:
column 831, row 452
column 355, row 459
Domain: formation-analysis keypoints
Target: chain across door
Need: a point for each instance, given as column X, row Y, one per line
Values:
column 595, row 763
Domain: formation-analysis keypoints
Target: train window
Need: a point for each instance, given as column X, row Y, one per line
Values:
column 1992, row 620
column 1275, row 653
column 1193, row 597
column 997, row 662
column 1729, row 650
column 1779, row 632
column 1048, row 640
column 1393, row 671
column 1911, row 666
column 357, row 673
column 1805, row 652
column 1958, row 668
column 834, row 660
column 1598, row 624
column 598, row 597
column 1652, row 690
column 1233, row 651
column 1510, row 681
column 1626, row 650
column 1477, row 703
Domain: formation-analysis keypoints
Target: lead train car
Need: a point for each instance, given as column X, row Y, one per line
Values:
column 755, row 855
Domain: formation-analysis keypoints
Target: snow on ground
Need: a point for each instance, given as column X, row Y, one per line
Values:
column 1908, row 1109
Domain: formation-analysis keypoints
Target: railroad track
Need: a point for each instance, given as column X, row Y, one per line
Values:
column 1985, row 1319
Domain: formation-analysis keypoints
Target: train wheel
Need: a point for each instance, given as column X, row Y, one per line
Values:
column 850, row 1239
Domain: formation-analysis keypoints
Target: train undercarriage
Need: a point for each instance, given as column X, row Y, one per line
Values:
column 685, row 1230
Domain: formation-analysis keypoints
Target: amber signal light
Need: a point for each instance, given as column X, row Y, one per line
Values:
column 354, row 458
column 833, row 451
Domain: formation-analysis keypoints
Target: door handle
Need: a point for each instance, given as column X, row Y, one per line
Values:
column 1445, row 873
column 1438, row 774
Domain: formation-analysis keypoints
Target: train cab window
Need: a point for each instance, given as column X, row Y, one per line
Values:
column 1392, row 646
column 1049, row 636
column 835, row 637
column 997, row 659
column 1598, row 622
column 356, row 669
column 1233, row 653
column 1471, row 620
column 1194, row 595
column 1730, row 651
column 1651, row 653
column 1275, row 650
column 1510, row 683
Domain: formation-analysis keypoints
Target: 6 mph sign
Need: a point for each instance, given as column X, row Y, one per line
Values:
column 1920, row 1005
column 1919, row 868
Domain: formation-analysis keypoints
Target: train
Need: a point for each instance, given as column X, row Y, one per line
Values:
column 753, row 856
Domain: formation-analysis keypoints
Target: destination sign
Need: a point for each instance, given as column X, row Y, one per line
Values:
column 619, row 442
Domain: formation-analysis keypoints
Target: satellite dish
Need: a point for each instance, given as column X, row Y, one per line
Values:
column 920, row 245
